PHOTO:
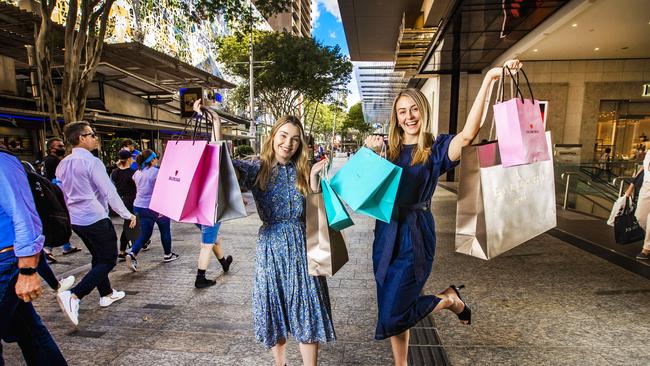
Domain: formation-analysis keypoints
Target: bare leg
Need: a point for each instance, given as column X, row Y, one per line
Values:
column 278, row 352
column 204, row 256
column 216, row 248
column 309, row 352
column 400, row 346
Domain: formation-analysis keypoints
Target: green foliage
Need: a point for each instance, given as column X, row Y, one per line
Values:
column 237, row 11
column 114, row 145
column 355, row 126
column 296, row 70
column 319, row 121
column 243, row 151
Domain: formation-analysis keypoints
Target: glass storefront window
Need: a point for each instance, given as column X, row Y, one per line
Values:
column 623, row 126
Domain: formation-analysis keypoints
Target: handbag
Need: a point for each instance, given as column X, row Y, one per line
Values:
column 626, row 227
column 326, row 249
column 189, row 174
column 368, row 184
column 337, row 216
column 519, row 125
column 230, row 203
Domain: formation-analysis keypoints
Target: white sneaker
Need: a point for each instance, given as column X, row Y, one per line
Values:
column 105, row 301
column 70, row 306
column 65, row 284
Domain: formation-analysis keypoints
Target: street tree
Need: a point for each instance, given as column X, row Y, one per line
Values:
column 86, row 25
column 355, row 124
column 296, row 71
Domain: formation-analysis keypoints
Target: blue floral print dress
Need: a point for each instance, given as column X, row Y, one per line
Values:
column 286, row 299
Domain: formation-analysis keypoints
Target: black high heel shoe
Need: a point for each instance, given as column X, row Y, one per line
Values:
column 466, row 314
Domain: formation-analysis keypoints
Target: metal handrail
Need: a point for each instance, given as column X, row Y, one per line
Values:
column 622, row 179
column 568, row 175
column 566, row 189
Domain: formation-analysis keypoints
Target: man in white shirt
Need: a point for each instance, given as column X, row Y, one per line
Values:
column 88, row 192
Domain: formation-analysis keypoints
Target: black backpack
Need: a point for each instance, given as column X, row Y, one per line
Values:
column 51, row 208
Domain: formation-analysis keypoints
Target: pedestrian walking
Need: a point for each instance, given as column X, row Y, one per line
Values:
column 122, row 177
column 403, row 250
column 145, row 179
column 642, row 212
column 210, row 244
column 56, row 152
column 88, row 192
column 286, row 299
column 20, row 244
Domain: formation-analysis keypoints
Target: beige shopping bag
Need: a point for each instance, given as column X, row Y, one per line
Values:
column 499, row 208
column 326, row 250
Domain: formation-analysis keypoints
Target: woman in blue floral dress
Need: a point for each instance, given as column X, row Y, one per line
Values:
column 286, row 299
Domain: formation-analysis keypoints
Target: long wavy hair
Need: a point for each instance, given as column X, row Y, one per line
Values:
column 300, row 158
column 396, row 133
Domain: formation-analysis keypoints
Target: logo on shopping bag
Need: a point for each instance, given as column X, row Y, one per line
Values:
column 174, row 178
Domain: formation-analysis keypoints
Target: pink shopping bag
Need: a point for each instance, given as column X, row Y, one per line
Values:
column 520, row 130
column 186, row 188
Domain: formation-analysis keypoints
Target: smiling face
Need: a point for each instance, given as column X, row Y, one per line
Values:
column 286, row 142
column 408, row 117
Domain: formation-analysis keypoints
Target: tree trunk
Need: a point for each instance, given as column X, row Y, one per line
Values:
column 43, row 57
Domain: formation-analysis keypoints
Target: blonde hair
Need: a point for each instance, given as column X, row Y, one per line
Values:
column 300, row 158
column 396, row 134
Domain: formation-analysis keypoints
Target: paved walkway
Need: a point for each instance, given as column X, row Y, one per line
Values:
column 543, row 303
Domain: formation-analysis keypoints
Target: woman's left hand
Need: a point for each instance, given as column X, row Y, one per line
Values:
column 495, row 73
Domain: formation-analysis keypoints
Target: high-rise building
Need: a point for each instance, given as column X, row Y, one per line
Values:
column 296, row 20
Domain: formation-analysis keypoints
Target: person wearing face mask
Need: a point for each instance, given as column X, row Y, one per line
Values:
column 286, row 298
column 404, row 249
column 145, row 180
column 56, row 152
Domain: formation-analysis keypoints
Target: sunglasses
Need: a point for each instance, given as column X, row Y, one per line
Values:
column 89, row 134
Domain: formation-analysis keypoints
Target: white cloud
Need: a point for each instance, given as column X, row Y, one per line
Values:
column 332, row 34
column 332, row 7
column 315, row 14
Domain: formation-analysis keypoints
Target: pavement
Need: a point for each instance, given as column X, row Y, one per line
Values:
column 545, row 302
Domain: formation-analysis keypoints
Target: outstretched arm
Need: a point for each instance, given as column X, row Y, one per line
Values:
column 216, row 129
column 473, row 123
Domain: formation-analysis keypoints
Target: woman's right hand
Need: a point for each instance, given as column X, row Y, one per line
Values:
column 374, row 142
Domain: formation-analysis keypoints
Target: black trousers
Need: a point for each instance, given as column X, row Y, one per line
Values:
column 101, row 240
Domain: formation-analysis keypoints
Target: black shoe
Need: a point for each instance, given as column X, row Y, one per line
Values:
column 202, row 282
column 50, row 258
column 225, row 263
column 465, row 316
column 72, row 250
column 121, row 257
column 145, row 246
column 643, row 256
column 171, row 257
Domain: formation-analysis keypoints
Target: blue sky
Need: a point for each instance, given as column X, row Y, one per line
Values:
column 328, row 29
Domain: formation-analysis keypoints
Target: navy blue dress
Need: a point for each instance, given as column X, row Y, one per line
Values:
column 404, row 249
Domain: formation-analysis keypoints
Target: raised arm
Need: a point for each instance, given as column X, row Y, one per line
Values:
column 216, row 129
column 473, row 123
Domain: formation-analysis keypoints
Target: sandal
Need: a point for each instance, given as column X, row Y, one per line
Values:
column 466, row 315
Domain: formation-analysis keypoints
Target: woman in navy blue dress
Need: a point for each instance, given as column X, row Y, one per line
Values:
column 404, row 249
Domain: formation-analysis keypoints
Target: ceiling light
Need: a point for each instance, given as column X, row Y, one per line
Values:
column 574, row 25
column 535, row 50
column 597, row 49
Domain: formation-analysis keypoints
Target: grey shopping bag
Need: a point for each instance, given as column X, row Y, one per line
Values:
column 230, row 204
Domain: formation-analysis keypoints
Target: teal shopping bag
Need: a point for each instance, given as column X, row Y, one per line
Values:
column 337, row 216
column 368, row 183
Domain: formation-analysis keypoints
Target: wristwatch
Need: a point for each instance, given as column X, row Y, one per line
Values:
column 27, row 271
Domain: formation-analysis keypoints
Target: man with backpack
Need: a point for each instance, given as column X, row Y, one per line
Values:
column 56, row 152
column 20, row 245
column 88, row 192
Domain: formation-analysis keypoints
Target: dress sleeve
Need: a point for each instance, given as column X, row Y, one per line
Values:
column 440, row 154
column 248, row 170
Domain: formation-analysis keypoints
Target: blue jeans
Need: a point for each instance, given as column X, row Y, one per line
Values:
column 147, row 219
column 101, row 240
column 209, row 233
column 20, row 323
